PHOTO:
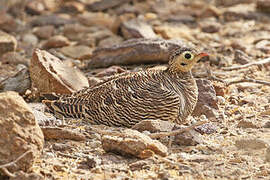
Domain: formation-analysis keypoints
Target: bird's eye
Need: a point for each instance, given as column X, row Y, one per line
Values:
column 188, row 55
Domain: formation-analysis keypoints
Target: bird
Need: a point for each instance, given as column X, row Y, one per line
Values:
column 129, row 98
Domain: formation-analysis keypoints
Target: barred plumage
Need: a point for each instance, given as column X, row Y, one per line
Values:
column 129, row 98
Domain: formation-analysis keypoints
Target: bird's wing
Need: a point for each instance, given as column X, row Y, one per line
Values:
column 123, row 101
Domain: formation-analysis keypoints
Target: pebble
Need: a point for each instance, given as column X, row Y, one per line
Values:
column 77, row 52
column 44, row 32
column 7, row 43
column 57, row 41
column 250, row 143
column 30, row 39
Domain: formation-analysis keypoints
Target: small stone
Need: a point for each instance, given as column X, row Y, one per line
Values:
column 221, row 100
column 267, row 154
column 34, row 7
column 150, row 16
column 263, row 6
column 210, row 11
column 20, row 82
column 105, row 4
column 136, row 28
column 44, row 32
column 240, row 11
column 263, row 45
column 110, row 71
column 189, row 138
column 77, row 52
column 207, row 128
column 56, row 42
column 110, row 41
column 139, row 165
column 30, row 39
column 132, row 142
column 14, row 58
column 240, row 57
column 98, row 19
column 76, row 32
column 93, row 81
column 89, row 163
column 49, row 74
column 73, row 7
column 19, row 132
column 53, row 20
column 247, row 124
column 232, row 2
column 250, row 143
column 267, row 125
column 153, row 126
column 207, row 103
column 7, row 43
column 210, row 27
column 220, row 88
column 7, row 23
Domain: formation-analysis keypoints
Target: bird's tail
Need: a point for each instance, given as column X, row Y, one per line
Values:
column 62, row 109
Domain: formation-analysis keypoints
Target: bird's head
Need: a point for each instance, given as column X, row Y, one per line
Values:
column 182, row 60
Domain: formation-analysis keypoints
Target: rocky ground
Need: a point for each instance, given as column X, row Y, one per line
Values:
column 62, row 46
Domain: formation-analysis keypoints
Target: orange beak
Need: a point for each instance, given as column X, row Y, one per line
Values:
column 201, row 55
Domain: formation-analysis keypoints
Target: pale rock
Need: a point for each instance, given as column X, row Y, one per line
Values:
column 19, row 132
column 132, row 143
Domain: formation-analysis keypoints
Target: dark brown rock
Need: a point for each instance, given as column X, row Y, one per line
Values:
column 241, row 57
column 263, row 6
column 210, row 27
column 207, row 100
column 73, row 7
column 131, row 142
column 7, row 22
column 189, row 138
column 14, row 58
column 105, row 4
column 44, row 32
column 7, row 43
column 35, row 7
column 20, row 82
column 134, row 51
column 53, row 20
column 19, row 132
column 56, row 42
column 49, row 74
column 136, row 28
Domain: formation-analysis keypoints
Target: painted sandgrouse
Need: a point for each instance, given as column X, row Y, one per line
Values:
column 129, row 98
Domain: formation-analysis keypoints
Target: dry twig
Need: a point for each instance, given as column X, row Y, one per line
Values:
column 249, row 80
column 13, row 163
column 176, row 132
column 265, row 61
